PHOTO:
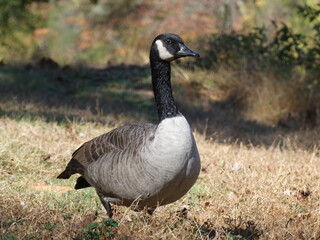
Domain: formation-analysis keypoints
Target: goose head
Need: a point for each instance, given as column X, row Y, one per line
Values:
column 168, row 47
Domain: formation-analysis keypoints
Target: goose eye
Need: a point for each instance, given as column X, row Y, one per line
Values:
column 168, row 41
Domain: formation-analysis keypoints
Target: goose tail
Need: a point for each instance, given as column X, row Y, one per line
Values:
column 81, row 183
column 65, row 174
column 73, row 167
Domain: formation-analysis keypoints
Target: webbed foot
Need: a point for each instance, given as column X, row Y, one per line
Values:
column 106, row 204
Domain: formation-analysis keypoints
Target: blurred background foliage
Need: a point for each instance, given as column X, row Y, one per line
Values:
column 261, row 55
column 96, row 31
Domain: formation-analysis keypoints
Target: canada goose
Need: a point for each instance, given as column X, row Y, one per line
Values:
column 143, row 164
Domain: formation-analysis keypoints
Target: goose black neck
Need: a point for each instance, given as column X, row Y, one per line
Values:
column 162, row 90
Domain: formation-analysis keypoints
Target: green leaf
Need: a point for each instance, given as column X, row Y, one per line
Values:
column 91, row 226
column 49, row 226
column 110, row 222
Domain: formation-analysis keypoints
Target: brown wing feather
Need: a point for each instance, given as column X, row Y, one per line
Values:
column 115, row 140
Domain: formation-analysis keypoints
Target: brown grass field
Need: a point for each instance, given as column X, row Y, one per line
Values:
column 243, row 192
column 258, row 181
column 72, row 70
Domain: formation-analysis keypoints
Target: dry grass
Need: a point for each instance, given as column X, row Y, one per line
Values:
column 243, row 192
column 261, row 96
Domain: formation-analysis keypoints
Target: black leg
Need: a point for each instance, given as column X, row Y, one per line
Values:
column 150, row 210
column 106, row 204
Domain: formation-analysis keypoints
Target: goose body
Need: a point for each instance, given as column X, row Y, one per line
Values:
column 142, row 164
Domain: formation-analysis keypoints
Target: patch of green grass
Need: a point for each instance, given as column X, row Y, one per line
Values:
column 9, row 237
column 99, row 230
column 198, row 193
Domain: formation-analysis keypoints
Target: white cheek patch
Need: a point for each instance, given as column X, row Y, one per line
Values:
column 163, row 52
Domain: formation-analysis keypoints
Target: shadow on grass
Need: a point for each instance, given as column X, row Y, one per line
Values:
column 117, row 95
column 76, row 93
column 242, row 230
column 236, row 230
column 222, row 122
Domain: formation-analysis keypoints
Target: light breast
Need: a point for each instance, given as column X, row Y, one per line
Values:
column 173, row 148
column 168, row 165
column 174, row 137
